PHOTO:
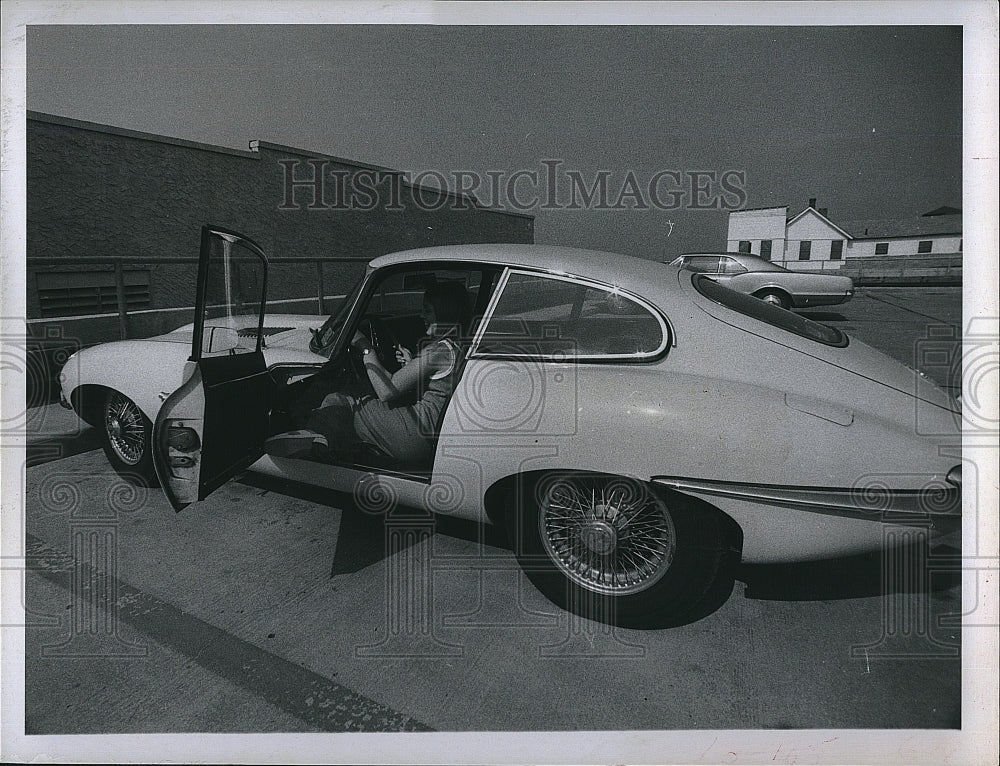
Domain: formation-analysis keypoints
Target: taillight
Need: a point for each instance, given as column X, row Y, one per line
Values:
column 183, row 439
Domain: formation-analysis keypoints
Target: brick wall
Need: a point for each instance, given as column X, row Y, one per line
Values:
column 100, row 191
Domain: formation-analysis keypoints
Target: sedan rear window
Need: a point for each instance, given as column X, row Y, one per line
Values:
column 765, row 312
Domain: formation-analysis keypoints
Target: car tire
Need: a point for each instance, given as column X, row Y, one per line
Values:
column 775, row 298
column 127, row 441
column 614, row 549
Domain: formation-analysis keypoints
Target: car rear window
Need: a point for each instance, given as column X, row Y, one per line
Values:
column 544, row 316
column 765, row 312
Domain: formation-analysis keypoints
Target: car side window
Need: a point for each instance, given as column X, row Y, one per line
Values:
column 397, row 299
column 731, row 266
column 562, row 318
column 234, row 289
column 703, row 264
column 403, row 292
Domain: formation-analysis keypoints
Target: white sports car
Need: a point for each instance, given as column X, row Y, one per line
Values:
column 626, row 421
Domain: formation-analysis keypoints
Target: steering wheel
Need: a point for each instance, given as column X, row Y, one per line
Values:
column 382, row 339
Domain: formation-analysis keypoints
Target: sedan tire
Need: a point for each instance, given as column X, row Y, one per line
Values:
column 612, row 549
column 127, row 440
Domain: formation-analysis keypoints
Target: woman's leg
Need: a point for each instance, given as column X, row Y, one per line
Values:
column 336, row 422
column 394, row 430
column 325, row 430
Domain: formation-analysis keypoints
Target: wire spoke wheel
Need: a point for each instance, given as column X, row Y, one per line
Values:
column 611, row 537
column 123, row 423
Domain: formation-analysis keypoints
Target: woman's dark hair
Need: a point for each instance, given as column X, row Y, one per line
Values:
column 451, row 305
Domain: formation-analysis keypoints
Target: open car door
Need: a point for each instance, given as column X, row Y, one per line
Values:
column 214, row 425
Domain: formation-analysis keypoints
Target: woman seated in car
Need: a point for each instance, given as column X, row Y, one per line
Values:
column 403, row 417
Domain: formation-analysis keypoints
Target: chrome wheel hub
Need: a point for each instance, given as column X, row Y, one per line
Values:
column 610, row 536
column 600, row 537
column 123, row 424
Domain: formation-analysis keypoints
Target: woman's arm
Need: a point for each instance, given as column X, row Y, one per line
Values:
column 391, row 386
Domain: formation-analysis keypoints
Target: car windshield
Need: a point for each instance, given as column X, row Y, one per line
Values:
column 323, row 339
column 758, row 309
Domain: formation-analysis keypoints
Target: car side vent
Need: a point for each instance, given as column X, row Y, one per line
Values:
column 89, row 292
column 251, row 332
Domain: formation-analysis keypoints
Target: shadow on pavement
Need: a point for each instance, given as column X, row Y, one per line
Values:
column 363, row 536
column 59, row 447
column 907, row 571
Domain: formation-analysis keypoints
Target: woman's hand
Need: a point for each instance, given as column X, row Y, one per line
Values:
column 403, row 355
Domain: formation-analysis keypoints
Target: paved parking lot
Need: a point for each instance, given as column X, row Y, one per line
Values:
column 280, row 608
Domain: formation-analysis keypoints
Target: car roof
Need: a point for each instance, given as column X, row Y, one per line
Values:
column 624, row 271
column 744, row 258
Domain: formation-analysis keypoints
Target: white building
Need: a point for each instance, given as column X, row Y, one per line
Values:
column 811, row 236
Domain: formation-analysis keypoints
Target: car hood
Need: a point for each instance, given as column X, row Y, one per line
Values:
column 290, row 331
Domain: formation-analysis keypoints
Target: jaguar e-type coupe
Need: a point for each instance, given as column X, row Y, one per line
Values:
column 768, row 281
column 620, row 418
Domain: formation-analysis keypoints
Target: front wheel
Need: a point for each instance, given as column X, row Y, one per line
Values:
column 612, row 549
column 128, row 442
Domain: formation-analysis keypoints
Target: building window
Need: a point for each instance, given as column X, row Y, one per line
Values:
column 805, row 248
column 90, row 292
column 836, row 250
column 925, row 246
column 959, row 245
column 881, row 248
column 765, row 249
column 745, row 246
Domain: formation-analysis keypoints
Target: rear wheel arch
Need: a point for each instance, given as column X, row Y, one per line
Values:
column 497, row 499
column 498, row 496
column 707, row 541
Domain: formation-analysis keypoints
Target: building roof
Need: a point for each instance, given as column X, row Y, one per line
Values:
column 757, row 209
column 886, row 228
column 822, row 217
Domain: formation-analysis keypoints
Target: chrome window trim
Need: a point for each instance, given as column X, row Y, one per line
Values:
column 488, row 314
column 666, row 336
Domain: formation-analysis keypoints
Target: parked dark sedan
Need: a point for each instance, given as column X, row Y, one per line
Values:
column 768, row 281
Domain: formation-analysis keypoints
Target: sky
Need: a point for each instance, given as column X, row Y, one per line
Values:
column 868, row 120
